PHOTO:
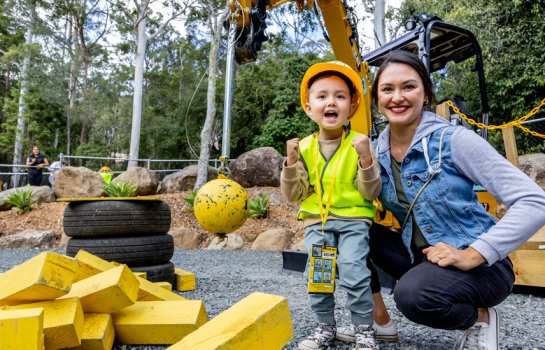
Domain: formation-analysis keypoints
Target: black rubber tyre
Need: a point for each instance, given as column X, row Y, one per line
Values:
column 159, row 273
column 116, row 218
column 133, row 251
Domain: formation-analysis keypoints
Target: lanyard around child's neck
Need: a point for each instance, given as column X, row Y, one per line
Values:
column 325, row 213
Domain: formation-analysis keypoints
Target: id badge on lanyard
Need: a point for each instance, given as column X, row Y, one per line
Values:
column 323, row 259
column 321, row 277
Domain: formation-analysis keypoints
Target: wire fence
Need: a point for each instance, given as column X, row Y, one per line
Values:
column 16, row 175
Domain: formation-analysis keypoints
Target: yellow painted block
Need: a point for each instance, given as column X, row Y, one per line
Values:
column 22, row 329
column 165, row 285
column 185, row 280
column 158, row 322
column 63, row 322
column 106, row 292
column 141, row 274
column 98, row 333
column 90, row 265
column 148, row 291
column 44, row 277
column 259, row 321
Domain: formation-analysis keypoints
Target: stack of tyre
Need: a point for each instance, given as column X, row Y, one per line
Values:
column 131, row 232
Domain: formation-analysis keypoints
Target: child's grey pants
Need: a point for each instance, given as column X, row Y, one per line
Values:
column 352, row 241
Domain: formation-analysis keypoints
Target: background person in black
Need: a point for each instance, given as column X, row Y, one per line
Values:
column 39, row 161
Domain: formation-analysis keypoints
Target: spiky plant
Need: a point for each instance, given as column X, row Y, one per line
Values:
column 259, row 206
column 190, row 200
column 119, row 189
column 20, row 199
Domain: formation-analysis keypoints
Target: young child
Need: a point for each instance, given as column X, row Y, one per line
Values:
column 339, row 164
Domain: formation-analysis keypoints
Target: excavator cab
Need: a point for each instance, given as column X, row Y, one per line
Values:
column 438, row 43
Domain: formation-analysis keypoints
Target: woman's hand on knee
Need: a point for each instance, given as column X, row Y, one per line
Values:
column 444, row 255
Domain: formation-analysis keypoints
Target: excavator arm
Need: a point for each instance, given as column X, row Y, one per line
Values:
column 339, row 22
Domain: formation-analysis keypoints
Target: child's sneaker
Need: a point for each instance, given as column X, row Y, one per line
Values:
column 321, row 339
column 365, row 338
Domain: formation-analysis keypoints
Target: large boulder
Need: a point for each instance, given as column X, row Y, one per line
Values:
column 30, row 239
column 77, row 182
column 40, row 194
column 145, row 180
column 184, row 180
column 232, row 241
column 276, row 239
column 260, row 167
column 185, row 238
column 533, row 165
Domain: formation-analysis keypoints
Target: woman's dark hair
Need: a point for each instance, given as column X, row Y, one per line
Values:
column 411, row 60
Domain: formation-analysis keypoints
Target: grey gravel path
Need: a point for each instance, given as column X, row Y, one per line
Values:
column 225, row 277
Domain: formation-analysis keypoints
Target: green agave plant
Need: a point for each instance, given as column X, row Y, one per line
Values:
column 259, row 207
column 20, row 199
column 119, row 189
column 190, row 199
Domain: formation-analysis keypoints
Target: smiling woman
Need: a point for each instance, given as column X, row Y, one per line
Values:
column 450, row 256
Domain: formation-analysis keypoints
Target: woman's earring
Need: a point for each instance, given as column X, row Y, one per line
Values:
column 426, row 102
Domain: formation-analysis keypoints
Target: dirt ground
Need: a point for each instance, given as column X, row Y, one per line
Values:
column 46, row 216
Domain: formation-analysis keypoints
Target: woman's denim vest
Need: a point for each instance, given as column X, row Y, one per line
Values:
column 447, row 210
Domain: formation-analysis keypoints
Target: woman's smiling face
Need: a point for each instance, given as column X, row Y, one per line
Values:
column 401, row 95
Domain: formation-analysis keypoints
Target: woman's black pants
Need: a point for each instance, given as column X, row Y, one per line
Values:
column 438, row 297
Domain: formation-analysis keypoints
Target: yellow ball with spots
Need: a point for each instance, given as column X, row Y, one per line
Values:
column 221, row 206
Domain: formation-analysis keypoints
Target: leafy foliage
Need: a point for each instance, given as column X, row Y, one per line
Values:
column 259, row 207
column 119, row 189
column 190, row 198
column 20, row 199
column 266, row 108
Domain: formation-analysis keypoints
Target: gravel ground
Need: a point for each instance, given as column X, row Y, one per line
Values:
column 225, row 277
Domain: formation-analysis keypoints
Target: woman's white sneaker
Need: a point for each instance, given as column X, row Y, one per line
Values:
column 388, row 332
column 482, row 336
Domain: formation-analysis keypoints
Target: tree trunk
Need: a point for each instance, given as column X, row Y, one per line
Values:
column 85, row 113
column 19, row 136
column 72, row 84
column 378, row 23
column 206, row 133
column 138, row 87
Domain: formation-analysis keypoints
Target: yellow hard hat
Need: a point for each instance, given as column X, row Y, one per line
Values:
column 332, row 66
column 105, row 169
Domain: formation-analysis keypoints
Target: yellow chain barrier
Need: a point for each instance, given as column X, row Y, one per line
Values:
column 503, row 126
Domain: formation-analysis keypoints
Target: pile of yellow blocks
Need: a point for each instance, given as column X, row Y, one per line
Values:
column 56, row 302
